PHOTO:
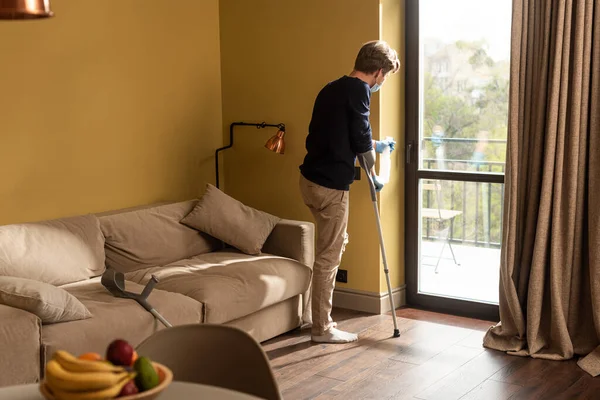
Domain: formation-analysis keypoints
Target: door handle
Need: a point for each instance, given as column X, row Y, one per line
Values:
column 409, row 152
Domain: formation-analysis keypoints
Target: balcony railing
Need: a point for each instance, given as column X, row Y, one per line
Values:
column 479, row 222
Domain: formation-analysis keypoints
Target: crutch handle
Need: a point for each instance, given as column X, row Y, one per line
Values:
column 149, row 286
column 363, row 164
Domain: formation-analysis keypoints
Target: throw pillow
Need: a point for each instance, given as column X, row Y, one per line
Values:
column 50, row 303
column 227, row 219
column 58, row 251
column 152, row 236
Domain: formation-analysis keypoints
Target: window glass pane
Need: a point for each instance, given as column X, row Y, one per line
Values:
column 464, row 81
column 460, row 231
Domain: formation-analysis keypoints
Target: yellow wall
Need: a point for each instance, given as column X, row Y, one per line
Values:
column 392, row 124
column 276, row 56
column 102, row 109
column 107, row 105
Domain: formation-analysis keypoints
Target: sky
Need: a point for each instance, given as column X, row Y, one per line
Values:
column 469, row 20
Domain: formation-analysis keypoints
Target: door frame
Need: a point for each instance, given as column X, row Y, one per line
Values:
column 412, row 176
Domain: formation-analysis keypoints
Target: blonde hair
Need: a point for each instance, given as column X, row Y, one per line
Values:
column 376, row 55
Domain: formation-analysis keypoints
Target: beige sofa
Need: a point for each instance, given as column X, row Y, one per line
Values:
column 200, row 281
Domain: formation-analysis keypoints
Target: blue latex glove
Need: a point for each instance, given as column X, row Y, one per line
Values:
column 380, row 145
column 378, row 185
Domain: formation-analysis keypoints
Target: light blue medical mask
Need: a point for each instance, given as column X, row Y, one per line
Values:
column 376, row 86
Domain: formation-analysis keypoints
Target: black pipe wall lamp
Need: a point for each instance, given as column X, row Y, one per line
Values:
column 276, row 143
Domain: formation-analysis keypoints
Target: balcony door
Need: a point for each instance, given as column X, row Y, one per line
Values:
column 457, row 80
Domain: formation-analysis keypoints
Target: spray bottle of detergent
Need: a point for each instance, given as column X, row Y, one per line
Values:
column 385, row 164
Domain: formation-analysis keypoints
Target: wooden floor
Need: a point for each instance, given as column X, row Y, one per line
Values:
column 437, row 357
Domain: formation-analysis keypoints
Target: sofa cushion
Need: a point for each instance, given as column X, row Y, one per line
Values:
column 57, row 252
column 231, row 284
column 234, row 223
column 152, row 237
column 50, row 303
column 116, row 318
column 20, row 346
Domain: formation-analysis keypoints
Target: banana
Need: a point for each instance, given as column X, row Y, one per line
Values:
column 107, row 393
column 74, row 364
column 61, row 379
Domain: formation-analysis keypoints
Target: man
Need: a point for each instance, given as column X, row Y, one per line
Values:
column 339, row 131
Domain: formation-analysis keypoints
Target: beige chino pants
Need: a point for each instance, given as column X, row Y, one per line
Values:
column 330, row 210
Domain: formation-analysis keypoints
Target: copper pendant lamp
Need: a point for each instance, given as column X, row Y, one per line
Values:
column 25, row 9
column 276, row 143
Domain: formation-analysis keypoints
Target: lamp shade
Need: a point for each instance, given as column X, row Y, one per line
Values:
column 25, row 9
column 276, row 143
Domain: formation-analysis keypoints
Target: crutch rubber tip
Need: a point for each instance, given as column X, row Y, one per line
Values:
column 396, row 332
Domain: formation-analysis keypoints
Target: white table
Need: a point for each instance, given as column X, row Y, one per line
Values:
column 176, row 390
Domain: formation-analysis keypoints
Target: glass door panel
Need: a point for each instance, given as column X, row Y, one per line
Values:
column 460, row 236
column 457, row 85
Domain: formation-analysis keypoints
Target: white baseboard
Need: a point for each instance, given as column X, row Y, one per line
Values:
column 371, row 302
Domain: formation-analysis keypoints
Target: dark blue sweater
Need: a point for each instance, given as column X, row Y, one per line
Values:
column 338, row 131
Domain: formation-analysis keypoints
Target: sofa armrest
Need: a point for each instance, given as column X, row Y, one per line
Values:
column 293, row 239
column 20, row 338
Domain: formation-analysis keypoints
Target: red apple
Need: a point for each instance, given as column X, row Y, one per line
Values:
column 129, row 389
column 119, row 352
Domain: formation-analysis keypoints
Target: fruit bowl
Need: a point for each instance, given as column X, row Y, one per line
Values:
column 165, row 377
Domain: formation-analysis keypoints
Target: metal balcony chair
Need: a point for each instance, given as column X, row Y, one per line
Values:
column 216, row 355
column 444, row 218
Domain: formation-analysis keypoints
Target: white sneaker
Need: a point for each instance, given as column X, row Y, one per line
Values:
column 334, row 335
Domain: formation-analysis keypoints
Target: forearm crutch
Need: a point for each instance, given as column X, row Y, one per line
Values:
column 363, row 164
column 114, row 282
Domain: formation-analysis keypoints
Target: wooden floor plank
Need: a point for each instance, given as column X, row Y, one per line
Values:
column 436, row 357
column 426, row 340
column 387, row 324
column 474, row 340
column 356, row 321
column 492, row 390
column 417, row 379
column 559, row 377
column 368, row 383
column 286, row 347
column 524, row 372
column 467, row 377
column 585, row 388
column 506, row 372
column 378, row 351
column 444, row 319
column 298, row 340
column 320, row 357
column 309, row 388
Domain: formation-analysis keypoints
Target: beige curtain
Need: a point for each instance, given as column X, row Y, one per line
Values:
column 550, row 263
